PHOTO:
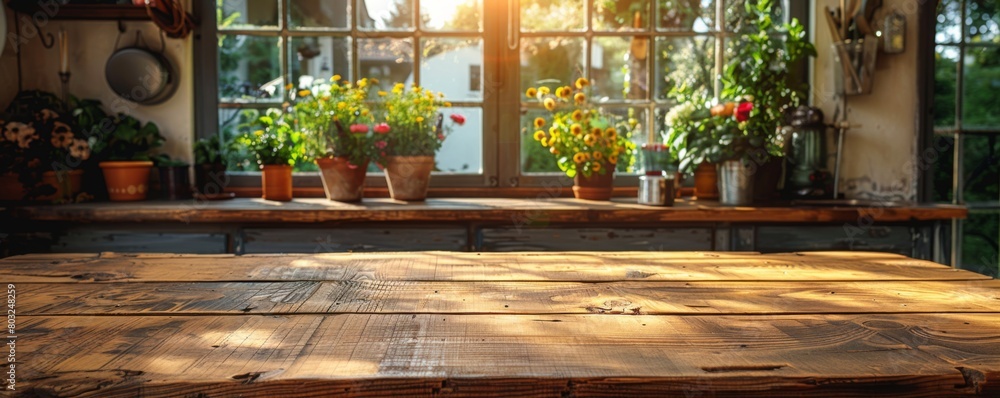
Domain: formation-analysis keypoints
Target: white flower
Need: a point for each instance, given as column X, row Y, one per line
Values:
column 680, row 112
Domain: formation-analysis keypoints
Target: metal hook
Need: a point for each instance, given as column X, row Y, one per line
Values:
column 42, row 36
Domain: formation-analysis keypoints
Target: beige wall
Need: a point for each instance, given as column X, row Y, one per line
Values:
column 879, row 154
column 91, row 43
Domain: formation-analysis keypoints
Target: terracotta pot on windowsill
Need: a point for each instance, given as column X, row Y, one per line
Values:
column 276, row 181
column 706, row 178
column 342, row 181
column 597, row 186
column 408, row 177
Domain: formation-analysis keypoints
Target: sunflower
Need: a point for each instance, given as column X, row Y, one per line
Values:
column 539, row 135
column 549, row 103
column 590, row 140
column 611, row 133
column 596, row 131
column 559, row 92
column 598, row 156
column 577, row 115
column 567, row 92
column 582, row 82
column 596, row 166
column 304, row 93
column 576, row 129
column 580, row 157
column 539, row 122
column 613, row 159
column 580, row 98
column 531, row 93
column 544, row 90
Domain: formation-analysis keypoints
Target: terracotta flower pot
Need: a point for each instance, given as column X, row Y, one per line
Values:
column 67, row 184
column 342, row 181
column 408, row 176
column 706, row 178
column 276, row 181
column 127, row 180
column 596, row 187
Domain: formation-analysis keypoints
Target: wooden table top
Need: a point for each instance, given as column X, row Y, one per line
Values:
column 496, row 210
column 512, row 324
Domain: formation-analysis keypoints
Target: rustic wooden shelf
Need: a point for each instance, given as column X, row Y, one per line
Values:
column 465, row 210
column 93, row 12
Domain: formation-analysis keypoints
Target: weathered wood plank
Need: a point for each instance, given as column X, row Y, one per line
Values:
column 595, row 239
column 895, row 355
column 388, row 297
column 772, row 239
column 448, row 266
column 328, row 240
column 493, row 210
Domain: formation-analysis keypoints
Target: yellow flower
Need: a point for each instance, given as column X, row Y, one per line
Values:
column 539, row 135
column 596, row 166
column 576, row 129
column 258, row 133
column 420, row 119
column 559, row 92
column 596, row 131
column 582, row 82
column 341, row 105
column 611, row 132
column 580, row 157
column 566, row 92
column 578, row 115
column 598, row 156
column 580, row 98
column 447, row 104
column 531, row 93
column 553, row 151
column 589, row 139
column 632, row 122
column 304, row 93
column 613, row 159
column 289, row 86
column 382, row 93
column 335, row 78
column 549, row 103
column 553, row 131
column 543, row 90
column 545, row 142
column 539, row 122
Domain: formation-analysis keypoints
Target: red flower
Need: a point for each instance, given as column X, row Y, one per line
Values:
column 743, row 111
column 359, row 128
column 440, row 137
column 382, row 128
column 458, row 119
column 380, row 144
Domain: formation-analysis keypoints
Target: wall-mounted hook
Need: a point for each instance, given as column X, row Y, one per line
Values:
column 47, row 39
column 121, row 26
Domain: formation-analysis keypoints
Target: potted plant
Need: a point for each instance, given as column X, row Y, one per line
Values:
column 210, row 167
column 417, row 132
column 589, row 145
column 336, row 121
column 42, row 151
column 175, row 181
column 277, row 147
column 688, row 139
column 124, row 145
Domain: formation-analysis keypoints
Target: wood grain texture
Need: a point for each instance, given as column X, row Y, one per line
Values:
column 835, row 355
column 519, row 212
column 453, row 266
column 398, row 297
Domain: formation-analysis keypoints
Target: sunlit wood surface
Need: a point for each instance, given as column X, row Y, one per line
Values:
column 521, row 324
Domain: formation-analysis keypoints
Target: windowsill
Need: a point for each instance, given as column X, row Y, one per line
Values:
column 496, row 211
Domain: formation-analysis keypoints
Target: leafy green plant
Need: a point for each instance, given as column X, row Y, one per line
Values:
column 118, row 137
column 210, row 150
column 274, row 142
column 336, row 120
column 417, row 126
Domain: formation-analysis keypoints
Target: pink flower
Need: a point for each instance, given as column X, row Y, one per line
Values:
column 382, row 128
column 458, row 119
column 440, row 137
column 380, row 144
column 743, row 111
column 359, row 128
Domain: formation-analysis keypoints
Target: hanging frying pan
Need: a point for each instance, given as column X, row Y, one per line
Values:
column 140, row 75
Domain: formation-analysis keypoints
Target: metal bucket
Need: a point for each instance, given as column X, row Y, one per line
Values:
column 656, row 190
column 735, row 183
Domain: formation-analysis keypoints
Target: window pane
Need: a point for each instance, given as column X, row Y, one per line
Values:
column 453, row 66
column 949, row 21
column 688, row 60
column 555, row 60
column 981, row 163
column 945, row 80
column 686, row 15
column 452, row 15
column 552, row 15
column 981, row 21
column 618, row 67
column 462, row 151
column 389, row 60
column 232, row 123
column 982, row 80
column 621, row 15
column 980, row 241
column 534, row 157
column 319, row 14
column 941, row 160
column 250, row 69
column 247, row 14
column 385, row 14
column 319, row 58
column 639, row 135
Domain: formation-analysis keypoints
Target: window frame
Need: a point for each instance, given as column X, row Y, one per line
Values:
column 501, row 102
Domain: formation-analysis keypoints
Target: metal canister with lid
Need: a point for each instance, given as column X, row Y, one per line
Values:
column 656, row 187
